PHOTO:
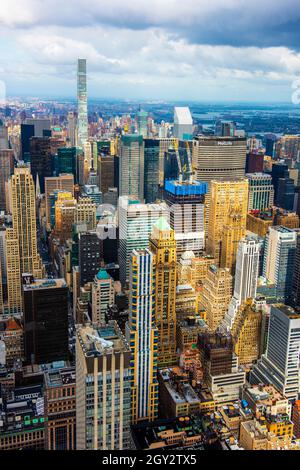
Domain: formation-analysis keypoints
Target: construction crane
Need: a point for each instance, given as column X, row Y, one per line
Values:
column 190, row 171
column 178, row 161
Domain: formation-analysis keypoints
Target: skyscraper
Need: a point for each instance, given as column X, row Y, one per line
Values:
column 41, row 160
column 103, row 295
column 65, row 214
column 217, row 158
column 105, row 172
column 66, row 161
column 3, row 136
column 151, row 169
column 247, row 268
column 90, row 255
column 13, row 265
column 233, row 232
column 82, row 127
column 246, row 332
column 42, row 126
column 45, row 320
column 6, row 170
column 295, row 298
column 131, row 171
column 1, row 291
column 255, row 163
column 183, row 123
column 142, row 123
column 86, row 212
column 279, row 260
column 163, row 246
column 261, row 191
column 216, row 295
column 286, row 193
column 136, row 221
column 229, row 201
column 103, row 388
column 142, row 335
column 72, row 128
column 164, row 145
column 246, row 276
column 64, row 182
column 22, row 191
column 186, row 204
column 279, row 366
column 279, row 171
column 225, row 128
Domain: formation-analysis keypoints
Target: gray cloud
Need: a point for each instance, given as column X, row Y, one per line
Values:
column 262, row 23
column 184, row 48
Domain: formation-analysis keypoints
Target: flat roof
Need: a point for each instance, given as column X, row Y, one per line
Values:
column 45, row 284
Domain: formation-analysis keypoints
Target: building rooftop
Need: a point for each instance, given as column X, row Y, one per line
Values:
column 45, row 284
column 182, row 115
column 102, row 340
column 176, row 433
column 60, row 377
column 186, row 188
column 288, row 311
column 251, row 428
column 102, row 275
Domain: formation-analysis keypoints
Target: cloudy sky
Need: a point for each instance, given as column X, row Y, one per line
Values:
column 152, row 49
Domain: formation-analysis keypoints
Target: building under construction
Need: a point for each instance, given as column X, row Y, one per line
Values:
column 186, row 202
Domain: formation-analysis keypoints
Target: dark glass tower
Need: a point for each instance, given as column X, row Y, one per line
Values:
column 45, row 321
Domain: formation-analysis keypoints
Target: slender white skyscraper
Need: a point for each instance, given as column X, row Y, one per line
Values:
column 246, row 275
column 82, row 129
column 246, row 272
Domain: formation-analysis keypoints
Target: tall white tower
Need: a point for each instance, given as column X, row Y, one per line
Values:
column 246, row 276
column 82, row 130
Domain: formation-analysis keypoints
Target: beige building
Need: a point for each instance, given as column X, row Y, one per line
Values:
column 65, row 214
column 229, row 200
column 86, row 212
column 163, row 246
column 259, row 222
column 233, row 232
column 216, row 295
column 21, row 241
column 63, row 182
column 103, row 295
column 251, row 437
column 246, row 332
column 103, row 388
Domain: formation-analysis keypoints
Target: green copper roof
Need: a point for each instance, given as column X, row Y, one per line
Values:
column 103, row 274
column 162, row 224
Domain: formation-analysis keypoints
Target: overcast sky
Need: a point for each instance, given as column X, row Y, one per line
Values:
column 152, row 49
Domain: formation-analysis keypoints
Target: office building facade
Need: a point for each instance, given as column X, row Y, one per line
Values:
column 142, row 336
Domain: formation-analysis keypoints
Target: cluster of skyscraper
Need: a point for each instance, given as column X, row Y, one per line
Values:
column 147, row 282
